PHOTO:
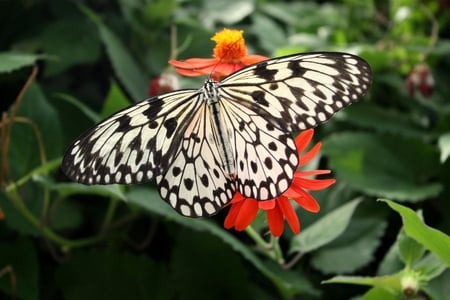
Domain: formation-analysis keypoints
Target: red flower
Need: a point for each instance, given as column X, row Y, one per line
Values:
column 243, row 210
column 2, row 215
column 230, row 55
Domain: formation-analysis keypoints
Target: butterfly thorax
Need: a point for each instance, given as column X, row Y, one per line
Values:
column 220, row 133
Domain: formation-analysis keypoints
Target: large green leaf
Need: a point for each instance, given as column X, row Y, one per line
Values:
column 112, row 275
column 324, row 230
column 58, row 40
column 432, row 239
column 384, row 165
column 134, row 79
column 21, row 256
column 286, row 283
column 10, row 61
column 352, row 250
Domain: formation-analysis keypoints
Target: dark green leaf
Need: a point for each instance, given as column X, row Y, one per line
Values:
column 58, row 40
column 24, row 149
column 111, row 275
column 151, row 201
column 352, row 250
column 22, row 258
column 324, row 230
column 115, row 101
column 10, row 61
column 383, row 165
column 127, row 69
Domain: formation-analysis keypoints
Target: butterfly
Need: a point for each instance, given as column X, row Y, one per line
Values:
column 203, row 145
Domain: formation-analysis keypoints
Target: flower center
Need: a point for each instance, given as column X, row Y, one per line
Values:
column 230, row 45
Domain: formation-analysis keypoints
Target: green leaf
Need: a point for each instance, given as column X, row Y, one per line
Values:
column 432, row 239
column 378, row 293
column 115, row 101
column 227, row 12
column 352, row 250
column 11, row 61
column 86, row 110
column 324, row 230
column 430, row 267
column 21, row 256
column 151, row 201
column 380, row 119
column 134, row 79
column 384, row 165
column 111, row 275
column 391, row 282
column 71, row 188
column 201, row 279
column 444, row 146
column 409, row 249
column 439, row 288
column 24, row 150
column 58, row 40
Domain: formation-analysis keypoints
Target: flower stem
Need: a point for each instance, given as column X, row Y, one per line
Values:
column 257, row 238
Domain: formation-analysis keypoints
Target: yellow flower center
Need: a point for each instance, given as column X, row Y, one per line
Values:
column 230, row 45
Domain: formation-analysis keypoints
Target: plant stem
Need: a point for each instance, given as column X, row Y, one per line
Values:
column 46, row 231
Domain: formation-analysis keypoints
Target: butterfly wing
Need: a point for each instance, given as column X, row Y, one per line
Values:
column 133, row 145
column 299, row 91
column 195, row 183
column 265, row 156
column 267, row 102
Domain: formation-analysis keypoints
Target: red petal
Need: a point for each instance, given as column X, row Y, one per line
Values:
column 303, row 139
column 310, row 173
column 253, row 59
column 289, row 213
column 308, row 156
column 275, row 221
column 313, row 184
column 246, row 214
column 306, row 201
column 230, row 220
column 193, row 63
column 267, row 204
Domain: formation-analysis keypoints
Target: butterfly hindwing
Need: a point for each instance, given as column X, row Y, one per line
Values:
column 265, row 156
column 195, row 183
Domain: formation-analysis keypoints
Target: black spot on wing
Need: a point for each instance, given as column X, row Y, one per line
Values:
column 259, row 97
column 295, row 68
column 170, row 125
column 263, row 72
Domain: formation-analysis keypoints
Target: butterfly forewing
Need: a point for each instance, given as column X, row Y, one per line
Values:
column 300, row 91
column 133, row 145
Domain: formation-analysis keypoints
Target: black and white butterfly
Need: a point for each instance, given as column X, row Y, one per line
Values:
column 201, row 145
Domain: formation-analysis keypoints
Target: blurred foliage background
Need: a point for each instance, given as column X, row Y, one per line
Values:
column 66, row 64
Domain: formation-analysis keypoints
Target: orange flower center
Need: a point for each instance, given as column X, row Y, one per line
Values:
column 230, row 45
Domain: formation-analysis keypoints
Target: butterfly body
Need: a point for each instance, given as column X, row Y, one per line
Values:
column 203, row 145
